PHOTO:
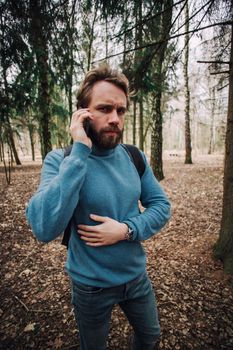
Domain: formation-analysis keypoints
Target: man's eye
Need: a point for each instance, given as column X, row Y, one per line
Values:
column 121, row 111
column 105, row 109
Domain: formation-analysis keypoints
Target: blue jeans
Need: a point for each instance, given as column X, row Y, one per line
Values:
column 93, row 307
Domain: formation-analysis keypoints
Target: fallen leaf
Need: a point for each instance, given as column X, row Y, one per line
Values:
column 58, row 343
column 30, row 327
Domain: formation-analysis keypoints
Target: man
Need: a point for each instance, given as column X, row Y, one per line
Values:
column 99, row 187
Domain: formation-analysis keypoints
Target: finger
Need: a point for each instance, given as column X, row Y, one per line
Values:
column 75, row 115
column 88, row 234
column 95, row 244
column 99, row 218
column 80, row 111
column 88, row 229
column 81, row 114
column 90, row 240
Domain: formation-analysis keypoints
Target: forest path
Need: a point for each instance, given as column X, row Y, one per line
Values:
column 195, row 297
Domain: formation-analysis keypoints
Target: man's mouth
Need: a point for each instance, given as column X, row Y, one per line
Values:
column 111, row 132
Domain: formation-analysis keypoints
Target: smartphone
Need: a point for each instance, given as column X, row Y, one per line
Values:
column 86, row 126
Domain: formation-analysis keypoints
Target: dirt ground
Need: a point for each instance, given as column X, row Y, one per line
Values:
column 195, row 297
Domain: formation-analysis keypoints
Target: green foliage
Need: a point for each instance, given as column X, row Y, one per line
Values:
column 111, row 8
column 23, row 61
column 69, row 34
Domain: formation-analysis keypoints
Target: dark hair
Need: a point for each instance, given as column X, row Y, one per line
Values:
column 101, row 73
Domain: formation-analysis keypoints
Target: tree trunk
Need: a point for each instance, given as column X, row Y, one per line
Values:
column 141, row 123
column 91, row 39
column 7, row 167
column 140, row 42
column 157, row 120
column 45, row 114
column 1, row 151
column 125, row 36
column 12, row 142
column 156, row 160
column 188, row 147
column 13, row 147
column 39, row 43
column 212, row 125
column 106, row 37
column 224, row 246
column 134, row 120
column 31, row 136
column 70, row 76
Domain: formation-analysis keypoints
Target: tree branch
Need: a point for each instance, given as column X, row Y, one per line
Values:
column 194, row 14
column 218, row 62
column 223, row 87
column 24, row 305
column 146, row 19
column 61, row 4
column 222, row 72
column 166, row 39
column 199, row 23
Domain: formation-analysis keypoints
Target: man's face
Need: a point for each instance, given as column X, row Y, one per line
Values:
column 108, row 105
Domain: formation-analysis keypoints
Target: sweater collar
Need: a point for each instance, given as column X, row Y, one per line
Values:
column 97, row 151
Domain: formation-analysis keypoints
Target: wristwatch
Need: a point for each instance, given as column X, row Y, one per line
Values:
column 129, row 234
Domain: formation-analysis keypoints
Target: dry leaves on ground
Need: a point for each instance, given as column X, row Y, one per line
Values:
column 195, row 297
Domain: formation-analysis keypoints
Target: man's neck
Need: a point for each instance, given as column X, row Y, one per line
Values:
column 100, row 151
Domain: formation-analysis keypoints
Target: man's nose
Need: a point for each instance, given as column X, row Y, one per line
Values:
column 113, row 117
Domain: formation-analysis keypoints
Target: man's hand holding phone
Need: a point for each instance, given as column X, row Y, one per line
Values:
column 79, row 126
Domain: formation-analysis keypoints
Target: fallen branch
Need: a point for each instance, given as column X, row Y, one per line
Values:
column 22, row 303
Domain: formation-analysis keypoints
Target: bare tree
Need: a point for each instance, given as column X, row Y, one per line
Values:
column 188, row 148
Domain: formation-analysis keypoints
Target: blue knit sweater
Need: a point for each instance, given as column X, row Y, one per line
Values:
column 106, row 183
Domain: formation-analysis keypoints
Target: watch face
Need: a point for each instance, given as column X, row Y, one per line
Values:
column 130, row 234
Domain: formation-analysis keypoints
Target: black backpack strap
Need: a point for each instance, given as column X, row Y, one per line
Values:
column 67, row 232
column 136, row 157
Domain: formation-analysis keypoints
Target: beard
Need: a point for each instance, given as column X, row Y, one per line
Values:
column 104, row 140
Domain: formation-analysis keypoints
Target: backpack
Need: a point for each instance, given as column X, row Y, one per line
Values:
column 136, row 158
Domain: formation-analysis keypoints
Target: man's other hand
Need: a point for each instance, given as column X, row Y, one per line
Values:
column 108, row 232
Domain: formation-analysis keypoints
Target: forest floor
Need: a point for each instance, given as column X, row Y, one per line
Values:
column 195, row 297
